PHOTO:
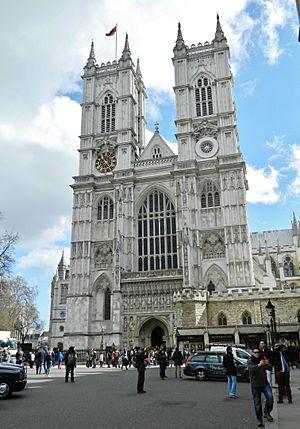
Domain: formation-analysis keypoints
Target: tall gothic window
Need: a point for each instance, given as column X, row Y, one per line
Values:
column 298, row 316
column 108, row 114
column 157, row 245
column 107, row 304
column 246, row 318
column 210, row 196
column 288, row 267
column 273, row 267
column 203, row 97
column 105, row 209
column 222, row 320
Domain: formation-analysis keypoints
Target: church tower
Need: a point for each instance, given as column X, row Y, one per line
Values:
column 112, row 137
column 210, row 172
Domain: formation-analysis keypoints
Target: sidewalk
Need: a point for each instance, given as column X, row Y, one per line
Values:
column 289, row 414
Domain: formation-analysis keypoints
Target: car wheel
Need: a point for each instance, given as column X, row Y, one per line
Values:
column 5, row 389
column 200, row 374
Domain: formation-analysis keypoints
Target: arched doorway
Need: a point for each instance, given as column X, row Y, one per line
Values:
column 154, row 332
column 157, row 337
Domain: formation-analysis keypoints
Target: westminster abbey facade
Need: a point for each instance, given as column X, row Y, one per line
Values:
column 160, row 249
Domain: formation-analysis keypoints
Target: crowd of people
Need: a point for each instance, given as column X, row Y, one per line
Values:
column 265, row 362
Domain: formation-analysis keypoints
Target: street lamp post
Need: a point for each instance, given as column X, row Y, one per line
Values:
column 271, row 312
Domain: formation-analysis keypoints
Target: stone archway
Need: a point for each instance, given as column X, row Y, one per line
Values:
column 153, row 333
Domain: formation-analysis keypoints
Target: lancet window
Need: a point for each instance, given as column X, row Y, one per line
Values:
column 203, row 97
column 157, row 244
column 108, row 114
column 288, row 267
column 210, row 196
column 246, row 318
column 222, row 319
column 107, row 304
column 105, row 209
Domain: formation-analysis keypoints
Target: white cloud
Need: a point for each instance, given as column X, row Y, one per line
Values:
column 275, row 15
column 278, row 145
column 263, row 185
column 294, row 187
column 248, row 88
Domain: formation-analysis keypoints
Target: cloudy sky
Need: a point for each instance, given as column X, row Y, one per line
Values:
column 44, row 46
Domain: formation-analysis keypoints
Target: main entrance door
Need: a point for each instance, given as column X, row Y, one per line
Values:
column 154, row 333
column 157, row 337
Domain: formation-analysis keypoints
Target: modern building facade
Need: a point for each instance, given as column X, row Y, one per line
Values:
column 160, row 248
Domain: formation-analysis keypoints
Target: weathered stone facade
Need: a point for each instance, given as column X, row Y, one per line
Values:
column 160, row 248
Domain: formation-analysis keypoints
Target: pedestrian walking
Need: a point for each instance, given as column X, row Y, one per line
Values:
column 266, row 352
column 162, row 360
column 178, row 361
column 228, row 363
column 70, row 363
column 60, row 358
column 140, row 364
column 19, row 356
column 282, row 374
column 259, row 384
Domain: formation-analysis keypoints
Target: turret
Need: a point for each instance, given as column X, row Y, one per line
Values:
column 91, row 64
column 220, row 39
column 62, row 268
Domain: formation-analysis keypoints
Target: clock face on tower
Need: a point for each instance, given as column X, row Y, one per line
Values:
column 106, row 162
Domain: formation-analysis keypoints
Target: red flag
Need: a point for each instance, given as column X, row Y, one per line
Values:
column 112, row 31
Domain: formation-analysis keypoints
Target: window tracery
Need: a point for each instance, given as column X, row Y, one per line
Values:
column 222, row 319
column 203, row 97
column 288, row 267
column 108, row 114
column 210, row 196
column 157, row 243
column 105, row 209
column 246, row 318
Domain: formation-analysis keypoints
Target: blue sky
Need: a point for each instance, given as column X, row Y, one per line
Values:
column 42, row 60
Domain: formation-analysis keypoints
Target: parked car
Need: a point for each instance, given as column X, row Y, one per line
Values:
column 13, row 378
column 209, row 366
column 238, row 352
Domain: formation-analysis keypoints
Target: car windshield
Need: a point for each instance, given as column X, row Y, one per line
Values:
column 12, row 344
column 242, row 354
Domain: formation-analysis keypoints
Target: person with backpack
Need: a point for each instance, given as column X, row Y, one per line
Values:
column 70, row 362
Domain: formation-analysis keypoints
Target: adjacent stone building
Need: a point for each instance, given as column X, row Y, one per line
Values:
column 160, row 247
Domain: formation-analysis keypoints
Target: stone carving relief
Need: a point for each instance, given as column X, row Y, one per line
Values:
column 205, row 129
column 104, row 255
column 213, row 247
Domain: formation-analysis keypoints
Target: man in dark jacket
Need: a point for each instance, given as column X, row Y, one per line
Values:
column 259, row 384
column 140, row 364
column 282, row 373
column 70, row 362
column 228, row 363
column 178, row 361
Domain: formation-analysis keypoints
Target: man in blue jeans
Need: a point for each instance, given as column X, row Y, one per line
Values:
column 228, row 363
column 259, row 384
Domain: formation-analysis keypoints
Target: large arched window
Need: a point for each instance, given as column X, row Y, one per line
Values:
column 246, row 318
column 108, row 114
column 210, row 196
column 157, row 245
column 105, row 209
column 203, row 97
column 222, row 319
column 107, row 304
column 288, row 267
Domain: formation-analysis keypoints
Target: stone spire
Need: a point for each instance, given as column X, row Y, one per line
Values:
column 61, row 268
column 91, row 61
column 126, row 54
column 156, row 127
column 138, row 69
column 294, row 225
column 267, row 250
column 219, row 39
column 179, row 45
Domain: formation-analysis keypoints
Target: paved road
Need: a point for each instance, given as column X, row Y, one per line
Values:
column 108, row 398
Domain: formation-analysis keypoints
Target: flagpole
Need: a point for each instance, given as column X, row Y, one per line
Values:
column 116, row 42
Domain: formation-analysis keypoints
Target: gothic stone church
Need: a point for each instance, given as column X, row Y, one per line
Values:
column 160, row 249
